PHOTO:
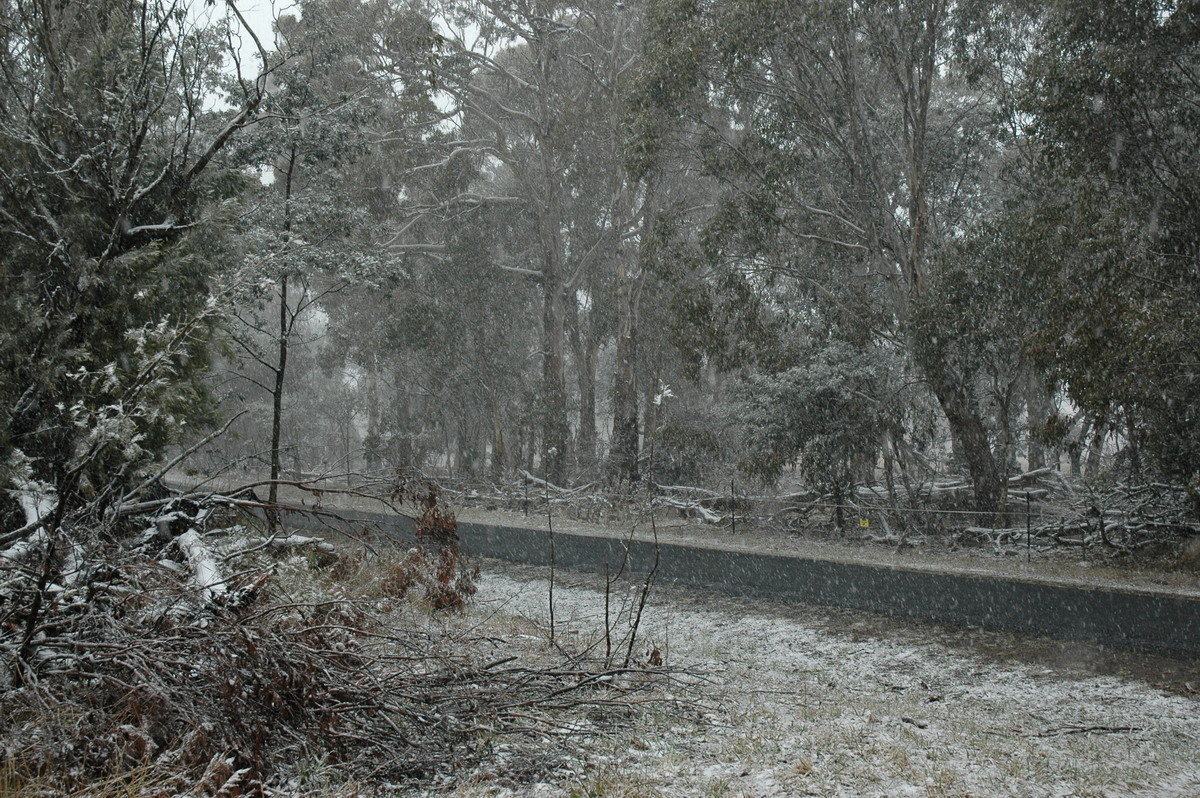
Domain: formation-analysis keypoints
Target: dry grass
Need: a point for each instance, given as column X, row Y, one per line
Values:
column 796, row 703
column 305, row 674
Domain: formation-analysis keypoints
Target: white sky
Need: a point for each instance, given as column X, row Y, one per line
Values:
column 259, row 14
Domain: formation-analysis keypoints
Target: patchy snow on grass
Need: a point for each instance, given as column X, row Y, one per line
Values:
column 780, row 704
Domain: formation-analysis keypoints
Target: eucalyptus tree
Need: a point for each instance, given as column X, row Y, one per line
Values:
column 306, row 128
column 820, row 415
column 539, row 98
column 451, row 345
column 114, row 193
column 344, row 67
column 851, row 150
column 1112, row 97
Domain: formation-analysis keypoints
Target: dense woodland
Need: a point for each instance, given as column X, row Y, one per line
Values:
column 480, row 237
column 798, row 244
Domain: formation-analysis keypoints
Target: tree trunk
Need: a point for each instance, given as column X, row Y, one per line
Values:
column 286, row 319
column 838, row 513
column 587, row 402
column 277, row 408
column 372, row 443
column 499, row 452
column 1075, row 446
column 1133, row 448
column 555, row 430
column 651, row 419
column 889, row 463
column 1095, row 451
column 969, row 432
column 623, row 450
column 584, row 347
column 1038, row 408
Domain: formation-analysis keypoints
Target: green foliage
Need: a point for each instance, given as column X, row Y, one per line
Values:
column 823, row 415
column 977, row 317
column 1113, row 98
column 722, row 321
column 348, row 115
column 849, row 153
column 112, row 206
column 666, row 82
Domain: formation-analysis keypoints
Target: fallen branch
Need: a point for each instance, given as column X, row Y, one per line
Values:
column 1061, row 730
column 253, row 545
column 530, row 478
column 206, row 573
column 688, row 490
column 708, row 515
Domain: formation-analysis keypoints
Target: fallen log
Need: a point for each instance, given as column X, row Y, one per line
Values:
column 530, row 478
column 251, row 545
column 206, row 572
column 708, row 515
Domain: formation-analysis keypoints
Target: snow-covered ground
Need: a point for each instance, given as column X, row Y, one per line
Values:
column 791, row 704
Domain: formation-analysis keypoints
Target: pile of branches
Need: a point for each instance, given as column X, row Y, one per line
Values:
column 909, row 511
column 165, row 654
column 533, row 495
column 1118, row 520
column 957, row 492
column 594, row 502
column 1042, row 509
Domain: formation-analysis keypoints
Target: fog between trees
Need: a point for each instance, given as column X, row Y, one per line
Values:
column 801, row 246
column 482, row 237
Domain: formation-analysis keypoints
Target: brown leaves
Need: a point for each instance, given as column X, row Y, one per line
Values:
column 436, row 563
column 145, row 684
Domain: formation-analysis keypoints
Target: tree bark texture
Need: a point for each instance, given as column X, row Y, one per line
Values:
column 971, row 435
column 277, row 407
column 1038, row 409
column 623, row 450
column 555, row 429
column 584, row 347
column 371, row 453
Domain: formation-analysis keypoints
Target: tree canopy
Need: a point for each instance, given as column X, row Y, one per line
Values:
column 514, row 223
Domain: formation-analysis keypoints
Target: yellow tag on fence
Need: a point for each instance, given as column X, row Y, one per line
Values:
column 864, row 523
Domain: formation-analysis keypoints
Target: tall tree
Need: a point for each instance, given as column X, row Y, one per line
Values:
column 539, row 97
column 336, row 78
column 1113, row 97
column 111, row 179
column 851, row 151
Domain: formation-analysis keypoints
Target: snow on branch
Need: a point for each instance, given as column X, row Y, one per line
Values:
column 206, row 572
column 692, row 507
column 252, row 545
